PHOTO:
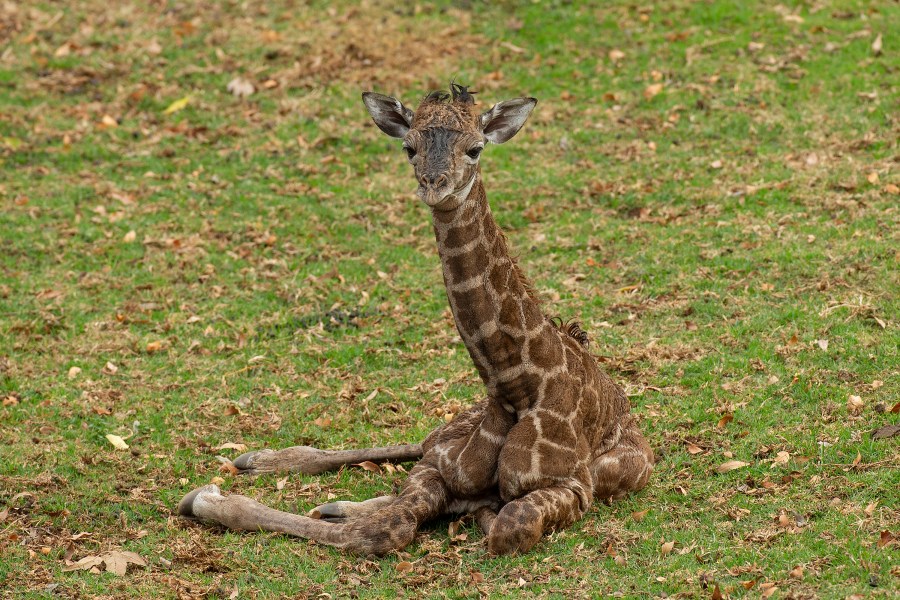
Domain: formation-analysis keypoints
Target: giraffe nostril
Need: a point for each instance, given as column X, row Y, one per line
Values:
column 442, row 180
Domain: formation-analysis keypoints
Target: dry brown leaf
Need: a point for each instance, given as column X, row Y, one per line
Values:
column 403, row 566
column 154, row 347
column 717, row 593
column 694, row 449
column 797, row 572
column 240, row 87
column 877, row 45
column 886, row 538
column 872, row 178
column 616, row 55
column 653, row 90
column 870, row 508
column 886, row 431
column 782, row 458
column 725, row 420
column 231, row 446
column 368, row 465
column 116, row 561
column 855, row 404
column 639, row 515
column 666, row 548
column 129, row 237
column 731, row 465
column 74, row 372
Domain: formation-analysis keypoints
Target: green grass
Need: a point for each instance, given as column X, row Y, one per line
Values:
column 707, row 236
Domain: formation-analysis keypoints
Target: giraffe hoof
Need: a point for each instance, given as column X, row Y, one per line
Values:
column 186, row 506
column 246, row 463
column 333, row 512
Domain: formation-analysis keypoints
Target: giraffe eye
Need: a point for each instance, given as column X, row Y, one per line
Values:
column 475, row 152
column 410, row 152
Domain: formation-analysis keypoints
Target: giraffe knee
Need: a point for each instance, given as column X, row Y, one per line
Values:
column 517, row 528
column 386, row 531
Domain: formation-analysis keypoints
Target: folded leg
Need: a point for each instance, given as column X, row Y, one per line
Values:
column 624, row 468
column 520, row 524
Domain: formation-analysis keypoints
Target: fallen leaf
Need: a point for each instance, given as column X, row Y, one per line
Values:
column 177, row 105
column 716, row 164
column 869, row 510
column 116, row 441
column 731, row 465
column 368, row 465
column 797, row 572
column 403, row 566
column 116, row 561
column 872, row 178
column 892, row 189
column 886, row 432
column 639, row 515
column 477, row 577
column 895, row 409
column 129, row 237
column 823, row 344
column 74, row 372
column 84, row 564
column 653, row 90
column 231, row 446
column 725, row 420
column 111, row 368
column 855, row 404
column 885, row 538
column 666, row 548
column 616, row 55
column 154, row 347
column 717, row 593
column 782, row 458
column 240, row 87
column 694, row 449
column 876, row 45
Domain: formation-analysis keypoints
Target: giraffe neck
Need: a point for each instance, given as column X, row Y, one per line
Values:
column 491, row 303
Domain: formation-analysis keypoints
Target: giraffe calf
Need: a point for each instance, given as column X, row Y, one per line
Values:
column 554, row 432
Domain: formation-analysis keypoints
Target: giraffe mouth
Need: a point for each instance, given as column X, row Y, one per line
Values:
column 445, row 197
column 435, row 196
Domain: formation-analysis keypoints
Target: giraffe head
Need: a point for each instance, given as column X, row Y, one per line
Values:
column 444, row 137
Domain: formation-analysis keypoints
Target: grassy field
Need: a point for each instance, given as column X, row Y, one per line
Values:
column 712, row 188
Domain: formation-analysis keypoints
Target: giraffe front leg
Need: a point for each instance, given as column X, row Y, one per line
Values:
column 520, row 524
column 625, row 468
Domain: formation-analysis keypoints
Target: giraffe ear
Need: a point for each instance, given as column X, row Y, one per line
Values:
column 505, row 119
column 389, row 114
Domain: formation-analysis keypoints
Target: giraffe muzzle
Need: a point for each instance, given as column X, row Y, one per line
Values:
column 434, row 190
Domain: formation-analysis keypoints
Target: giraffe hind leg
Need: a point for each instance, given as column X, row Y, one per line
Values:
column 312, row 461
column 624, row 468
